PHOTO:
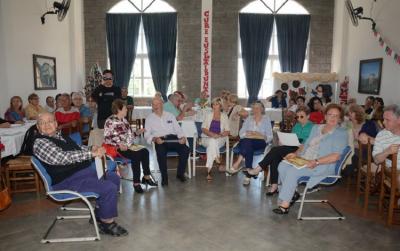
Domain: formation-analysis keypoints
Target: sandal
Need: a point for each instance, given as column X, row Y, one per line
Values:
column 112, row 229
column 281, row 210
column 233, row 171
column 270, row 193
column 209, row 177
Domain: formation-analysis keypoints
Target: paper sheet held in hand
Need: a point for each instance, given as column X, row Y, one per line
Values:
column 288, row 139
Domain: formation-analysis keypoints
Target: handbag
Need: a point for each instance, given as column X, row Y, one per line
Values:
column 113, row 152
column 5, row 198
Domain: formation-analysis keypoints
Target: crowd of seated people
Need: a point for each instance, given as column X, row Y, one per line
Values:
column 320, row 128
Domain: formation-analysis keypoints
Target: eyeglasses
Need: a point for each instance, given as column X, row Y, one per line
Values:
column 43, row 123
column 300, row 117
column 332, row 115
column 104, row 78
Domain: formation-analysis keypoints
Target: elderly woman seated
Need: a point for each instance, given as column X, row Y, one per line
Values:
column 118, row 133
column 254, row 135
column 302, row 129
column 322, row 150
column 215, row 128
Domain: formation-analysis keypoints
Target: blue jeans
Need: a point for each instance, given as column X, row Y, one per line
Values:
column 248, row 147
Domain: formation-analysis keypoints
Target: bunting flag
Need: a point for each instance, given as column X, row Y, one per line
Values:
column 389, row 51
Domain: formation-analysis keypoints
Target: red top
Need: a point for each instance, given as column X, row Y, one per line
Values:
column 317, row 117
column 63, row 116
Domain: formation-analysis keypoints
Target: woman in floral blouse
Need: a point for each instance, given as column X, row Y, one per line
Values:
column 118, row 133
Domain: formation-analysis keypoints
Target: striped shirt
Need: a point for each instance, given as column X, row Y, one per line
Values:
column 383, row 140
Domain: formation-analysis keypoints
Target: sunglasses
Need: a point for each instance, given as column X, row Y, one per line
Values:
column 107, row 78
column 300, row 117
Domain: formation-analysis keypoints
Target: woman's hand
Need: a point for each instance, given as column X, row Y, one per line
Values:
column 182, row 140
column 363, row 138
column 140, row 131
column 290, row 156
column 311, row 164
column 123, row 147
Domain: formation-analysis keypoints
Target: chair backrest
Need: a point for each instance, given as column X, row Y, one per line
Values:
column 341, row 162
column 43, row 174
column 76, row 137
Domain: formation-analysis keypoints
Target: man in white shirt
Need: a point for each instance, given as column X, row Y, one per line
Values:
column 163, row 129
column 387, row 141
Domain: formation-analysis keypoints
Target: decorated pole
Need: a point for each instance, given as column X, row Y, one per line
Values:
column 206, row 41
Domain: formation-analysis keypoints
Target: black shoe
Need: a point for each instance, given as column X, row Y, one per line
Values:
column 164, row 182
column 296, row 196
column 138, row 188
column 149, row 182
column 96, row 213
column 182, row 178
column 269, row 193
column 248, row 175
column 112, row 229
column 281, row 210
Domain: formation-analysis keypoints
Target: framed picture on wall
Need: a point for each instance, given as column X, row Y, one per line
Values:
column 44, row 72
column 369, row 79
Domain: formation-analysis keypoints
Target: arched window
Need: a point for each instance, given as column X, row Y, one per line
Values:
column 268, row 7
column 141, row 83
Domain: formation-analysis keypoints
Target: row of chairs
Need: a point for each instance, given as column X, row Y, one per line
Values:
column 387, row 183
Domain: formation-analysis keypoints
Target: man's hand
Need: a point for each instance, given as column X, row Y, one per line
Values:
column 123, row 147
column 182, row 140
column 392, row 149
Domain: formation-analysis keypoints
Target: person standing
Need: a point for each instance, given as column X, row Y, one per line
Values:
column 104, row 95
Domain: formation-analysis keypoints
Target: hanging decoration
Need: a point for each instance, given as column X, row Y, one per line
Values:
column 389, row 51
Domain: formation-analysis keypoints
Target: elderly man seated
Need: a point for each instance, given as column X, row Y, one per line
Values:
column 163, row 129
column 173, row 107
column 71, row 167
column 387, row 141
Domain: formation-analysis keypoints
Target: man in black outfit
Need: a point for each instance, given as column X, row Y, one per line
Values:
column 104, row 95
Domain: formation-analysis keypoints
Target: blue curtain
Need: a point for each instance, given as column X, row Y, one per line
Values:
column 255, row 37
column 293, row 33
column 160, row 31
column 122, row 36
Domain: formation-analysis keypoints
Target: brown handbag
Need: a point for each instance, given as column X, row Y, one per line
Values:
column 5, row 198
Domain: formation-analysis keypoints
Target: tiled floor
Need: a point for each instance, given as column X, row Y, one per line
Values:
column 221, row 215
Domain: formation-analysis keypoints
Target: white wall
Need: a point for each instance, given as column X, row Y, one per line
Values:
column 22, row 34
column 352, row 44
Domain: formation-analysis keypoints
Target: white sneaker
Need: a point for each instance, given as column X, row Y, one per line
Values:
column 246, row 181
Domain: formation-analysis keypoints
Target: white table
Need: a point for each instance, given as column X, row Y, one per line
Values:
column 275, row 114
column 141, row 112
column 12, row 138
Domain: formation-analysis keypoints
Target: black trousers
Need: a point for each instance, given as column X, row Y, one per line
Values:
column 273, row 158
column 162, row 150
column 137, row 158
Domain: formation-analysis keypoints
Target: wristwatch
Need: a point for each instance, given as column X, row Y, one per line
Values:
column 316, row 162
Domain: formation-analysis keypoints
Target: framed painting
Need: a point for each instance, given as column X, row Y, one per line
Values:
column 44, row 72
column 369, row 79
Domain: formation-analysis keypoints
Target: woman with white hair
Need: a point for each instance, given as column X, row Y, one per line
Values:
column 254, row 135
column 84, row 110
column 215, row 128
